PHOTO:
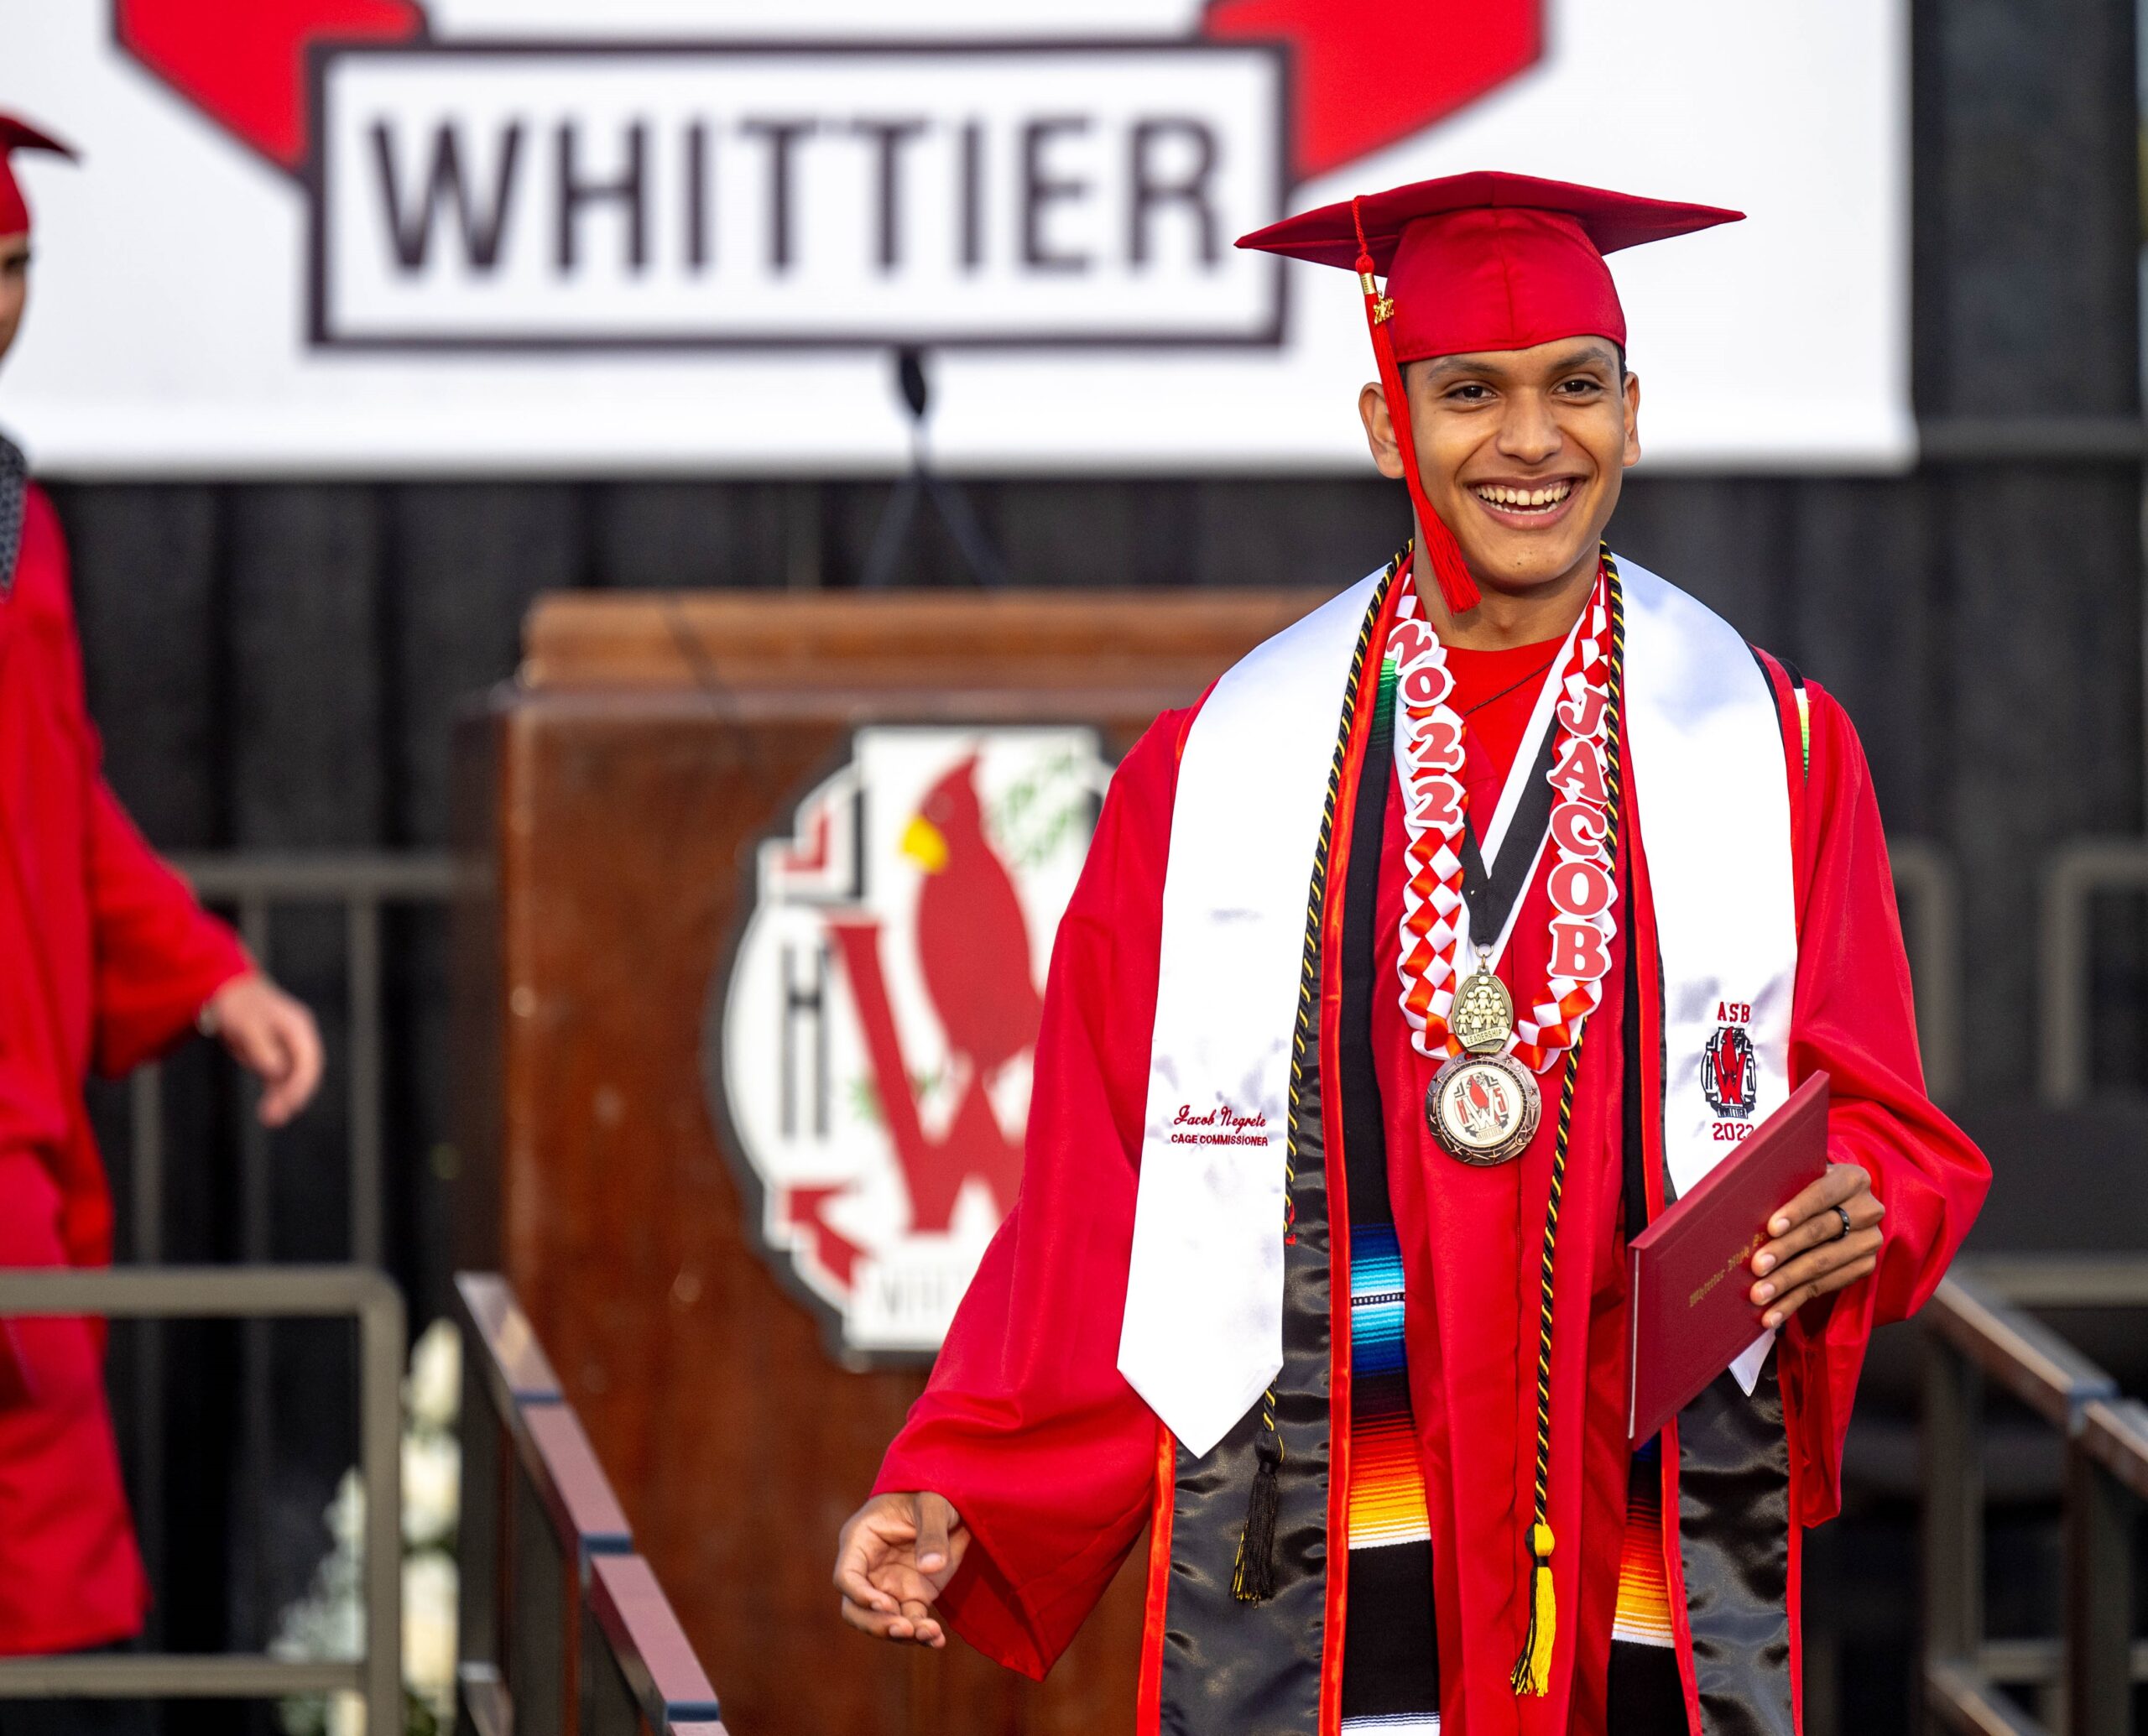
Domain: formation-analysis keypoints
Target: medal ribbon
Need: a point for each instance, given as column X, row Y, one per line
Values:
column 1428, row 756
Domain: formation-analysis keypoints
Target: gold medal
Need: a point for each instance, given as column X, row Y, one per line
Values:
column 1481, row 1018
column 1483, row 1108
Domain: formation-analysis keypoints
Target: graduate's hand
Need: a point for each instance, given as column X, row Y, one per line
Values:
column 272, row 1037
column 894, row 1556
column 1814, row 1253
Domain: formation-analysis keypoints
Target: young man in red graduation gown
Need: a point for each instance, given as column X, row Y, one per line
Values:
column 1455, row 932
column 105, row 960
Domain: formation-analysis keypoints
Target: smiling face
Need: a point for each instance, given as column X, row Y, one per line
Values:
column 1521, row 452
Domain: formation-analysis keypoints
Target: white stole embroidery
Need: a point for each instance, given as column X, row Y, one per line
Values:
column 1202, row 1335
column 1203, row 1332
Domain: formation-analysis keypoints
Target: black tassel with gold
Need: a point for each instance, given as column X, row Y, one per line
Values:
column 1252, row 1577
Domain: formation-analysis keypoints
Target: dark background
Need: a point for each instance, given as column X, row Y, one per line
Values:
column 275, row 666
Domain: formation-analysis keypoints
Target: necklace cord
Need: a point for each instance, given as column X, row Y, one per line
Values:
column 1532, row 1670
column 1534, row 674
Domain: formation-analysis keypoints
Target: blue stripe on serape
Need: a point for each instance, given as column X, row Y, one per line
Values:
column 1376, row 1345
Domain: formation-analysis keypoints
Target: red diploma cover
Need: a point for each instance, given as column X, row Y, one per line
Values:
column 1691, row 1268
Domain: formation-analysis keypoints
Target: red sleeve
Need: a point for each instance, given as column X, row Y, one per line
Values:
column 1855, row 1016
column 1027, row 1426
column 158, row 955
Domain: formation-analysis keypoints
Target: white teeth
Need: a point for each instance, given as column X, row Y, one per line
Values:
column 1525, row 500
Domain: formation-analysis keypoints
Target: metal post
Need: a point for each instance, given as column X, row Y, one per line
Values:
column 1953, row 1505
column 146, row 1144
column 480, row 1531
column 607, row 1703
column 255, row 1221
column 2074, row 873
column 257, row 1433
column 381, row 1342
column 1934, row 933
column 363, row 926
column 2106, row 1474
column 146, row 1138
column 539, row 1583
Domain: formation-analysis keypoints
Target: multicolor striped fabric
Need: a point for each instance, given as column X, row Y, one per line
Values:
column 1387, row 1481
column 1643, row 1615
column 1390, row 1655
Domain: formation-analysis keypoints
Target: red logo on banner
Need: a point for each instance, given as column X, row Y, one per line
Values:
column 244, row 66
column 1364, row 74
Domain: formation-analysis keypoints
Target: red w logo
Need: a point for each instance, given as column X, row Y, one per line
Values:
column 1730, row 1063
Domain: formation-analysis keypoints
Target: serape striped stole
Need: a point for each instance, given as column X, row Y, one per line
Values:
column 1390, row 1655
column 1644, row 1616
column 1390, row 1649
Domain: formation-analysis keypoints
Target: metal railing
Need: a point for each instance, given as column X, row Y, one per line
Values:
column 1979, row 1331
column 563, row 1629
column 250, row 887
column 1931, row 935
column 256, row 1293
column 2075, row 874
column 254, row 885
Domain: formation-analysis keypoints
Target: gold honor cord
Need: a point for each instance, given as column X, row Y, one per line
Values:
column 1532, row 1670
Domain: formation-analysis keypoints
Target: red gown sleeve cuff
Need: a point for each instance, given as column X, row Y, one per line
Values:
column 134, row 1026
column 1022, row 1626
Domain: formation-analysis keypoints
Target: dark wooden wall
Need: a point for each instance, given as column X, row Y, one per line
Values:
column 275, row 665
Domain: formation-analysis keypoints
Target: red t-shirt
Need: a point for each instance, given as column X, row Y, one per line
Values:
column 1495, row 692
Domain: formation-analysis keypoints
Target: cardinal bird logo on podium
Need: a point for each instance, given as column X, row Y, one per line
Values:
column 871, row 1046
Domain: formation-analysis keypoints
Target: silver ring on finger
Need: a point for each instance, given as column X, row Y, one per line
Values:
column 1843, row 1212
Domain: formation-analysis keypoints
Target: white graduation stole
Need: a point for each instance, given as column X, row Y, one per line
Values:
column 1204, row 1330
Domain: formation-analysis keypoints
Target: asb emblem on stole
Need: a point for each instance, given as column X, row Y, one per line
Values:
column 1728, row 1078
column 870, row 1049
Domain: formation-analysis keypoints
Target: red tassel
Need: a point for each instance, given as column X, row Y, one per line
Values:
column 1442, row 553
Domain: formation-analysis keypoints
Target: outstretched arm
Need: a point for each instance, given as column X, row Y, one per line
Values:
column 1028, row 1444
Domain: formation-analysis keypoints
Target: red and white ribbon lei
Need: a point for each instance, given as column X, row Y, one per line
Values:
column 1428, row 754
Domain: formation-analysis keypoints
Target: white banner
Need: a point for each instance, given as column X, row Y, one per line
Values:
column 518, row 235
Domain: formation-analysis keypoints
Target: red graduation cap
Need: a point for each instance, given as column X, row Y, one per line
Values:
column 1485, row 261
column 18, row 135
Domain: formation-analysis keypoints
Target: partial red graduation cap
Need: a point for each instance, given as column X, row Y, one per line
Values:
column 18, row 135
column 1484, row 261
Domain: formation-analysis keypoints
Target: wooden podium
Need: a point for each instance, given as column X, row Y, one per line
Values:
column 620, row 793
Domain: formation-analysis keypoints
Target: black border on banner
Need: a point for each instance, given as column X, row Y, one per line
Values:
column 319, row 55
